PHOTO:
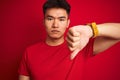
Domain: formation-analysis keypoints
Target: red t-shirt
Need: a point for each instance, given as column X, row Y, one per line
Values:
column 44, row 62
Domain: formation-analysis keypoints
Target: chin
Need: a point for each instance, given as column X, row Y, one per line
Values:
column 56, row 37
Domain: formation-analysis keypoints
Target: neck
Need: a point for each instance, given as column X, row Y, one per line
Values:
column 54, row 42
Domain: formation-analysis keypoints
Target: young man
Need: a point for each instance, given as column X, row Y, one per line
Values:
column 54, row 59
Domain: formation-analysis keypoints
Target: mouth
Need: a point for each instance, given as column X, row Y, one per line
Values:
column 55, row 31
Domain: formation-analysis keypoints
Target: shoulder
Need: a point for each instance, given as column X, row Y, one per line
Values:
column 34, row 50
column 35, row 46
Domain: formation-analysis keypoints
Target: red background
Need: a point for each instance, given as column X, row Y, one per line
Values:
column 21, row 26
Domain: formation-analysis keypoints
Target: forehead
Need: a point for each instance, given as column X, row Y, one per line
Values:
column 56, row 12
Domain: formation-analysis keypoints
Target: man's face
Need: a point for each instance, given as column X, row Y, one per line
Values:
column 56, row 21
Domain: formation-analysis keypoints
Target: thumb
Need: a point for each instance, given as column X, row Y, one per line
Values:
column 74, row 54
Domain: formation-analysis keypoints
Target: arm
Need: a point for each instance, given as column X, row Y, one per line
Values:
column 22, row 77
column 109, row 34
column 78, row 37
column 23, row 69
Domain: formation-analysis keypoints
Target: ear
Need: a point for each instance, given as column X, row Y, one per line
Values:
column 43, row 21
column 68, row 23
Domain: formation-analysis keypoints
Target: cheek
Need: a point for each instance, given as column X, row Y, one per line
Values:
column 65, row 26
column 64, row 29
column 47, row 25
column 47, row 29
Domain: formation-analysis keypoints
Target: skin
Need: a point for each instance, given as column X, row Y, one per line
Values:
column 56, row 22
column 78, row 37
column 22, row 77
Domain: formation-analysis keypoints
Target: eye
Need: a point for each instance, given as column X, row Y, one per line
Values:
column 49, row 18
column 62, row 19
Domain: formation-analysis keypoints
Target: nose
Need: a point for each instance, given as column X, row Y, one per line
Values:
column 55, row 24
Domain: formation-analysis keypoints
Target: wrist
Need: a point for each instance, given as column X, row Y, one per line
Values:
column 94, row 29
column 90, row 31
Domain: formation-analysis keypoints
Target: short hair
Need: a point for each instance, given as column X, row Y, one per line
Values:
column 56, row 4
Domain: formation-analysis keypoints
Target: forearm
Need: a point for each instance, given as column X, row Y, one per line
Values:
column 111, row 30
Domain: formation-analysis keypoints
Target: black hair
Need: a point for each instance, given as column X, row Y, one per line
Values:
column 56, row 4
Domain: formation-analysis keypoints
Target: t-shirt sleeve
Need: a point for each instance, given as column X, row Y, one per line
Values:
column 24, row 67
column 89, row 48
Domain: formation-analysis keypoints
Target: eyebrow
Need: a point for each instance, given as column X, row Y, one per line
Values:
column 58, row 17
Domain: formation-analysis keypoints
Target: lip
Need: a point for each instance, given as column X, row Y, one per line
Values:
column 55, row 31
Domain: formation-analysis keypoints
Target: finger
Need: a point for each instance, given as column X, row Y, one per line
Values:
column 69, row 37
column 74, row 54
column 71, row 48
column 72, row 45
column 73, row 32
column 73, row 38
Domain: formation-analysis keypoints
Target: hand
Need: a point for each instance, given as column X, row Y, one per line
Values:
column 77, row 38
